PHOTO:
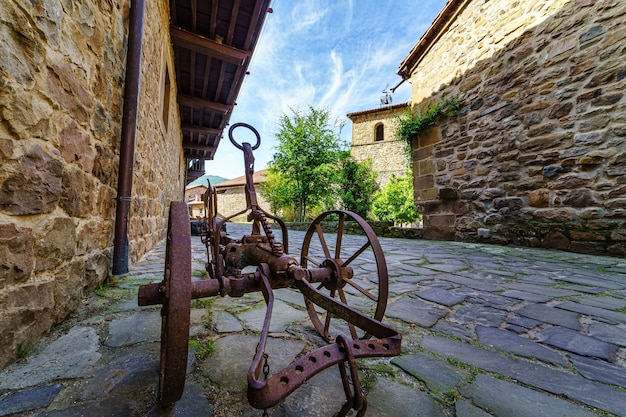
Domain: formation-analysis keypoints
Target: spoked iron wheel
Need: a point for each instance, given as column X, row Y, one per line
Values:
column 176, row 288
column 368, row 291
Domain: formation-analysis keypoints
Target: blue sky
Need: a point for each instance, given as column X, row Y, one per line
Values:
column 333, row 54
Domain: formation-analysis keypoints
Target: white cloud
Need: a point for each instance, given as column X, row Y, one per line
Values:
column 330, row 54
column 306, row 14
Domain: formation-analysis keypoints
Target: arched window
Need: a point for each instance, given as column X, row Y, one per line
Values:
column 379, row 132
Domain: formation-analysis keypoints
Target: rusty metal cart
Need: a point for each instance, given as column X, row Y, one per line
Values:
column 259, row 262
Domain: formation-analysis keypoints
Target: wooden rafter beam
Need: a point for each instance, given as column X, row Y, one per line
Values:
column 186, row 100
column 233, row 21
column 198, row 147
column 239, row 73
column 201, row 130
column 213, row 18
column 197, row 43
column 259, row 8
column 194, row 15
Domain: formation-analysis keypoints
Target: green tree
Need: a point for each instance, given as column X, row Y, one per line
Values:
column 356, row 184
column 277, row 192
column 395, row 201
column 308, row 149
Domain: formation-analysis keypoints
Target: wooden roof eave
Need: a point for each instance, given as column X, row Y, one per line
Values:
column 213, row 64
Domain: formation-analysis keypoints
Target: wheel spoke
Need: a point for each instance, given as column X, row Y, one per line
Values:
column 362, row 290
column 357, row 253
column 329, row 317
column 320, row 234
column 313, row 261
column 327, row 324
column 342, row 296
column 339, row 235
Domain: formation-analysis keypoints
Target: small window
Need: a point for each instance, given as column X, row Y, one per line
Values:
column 166, row 97
column 380, row 132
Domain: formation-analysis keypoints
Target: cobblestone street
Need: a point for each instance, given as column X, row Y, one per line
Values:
column 487, row 331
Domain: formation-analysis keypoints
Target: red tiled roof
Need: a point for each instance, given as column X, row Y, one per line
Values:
column 257, row 178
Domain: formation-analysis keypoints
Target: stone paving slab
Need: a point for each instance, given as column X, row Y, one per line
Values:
column 591, row 281
column 224, row 322
column 471, row 283
column 512, row 343
column 488, row 393
column 606, row 302
column 464, row 408
column 552, row 324
column 571, row 341
column 193, row 403
column 613, row 317
column 484, row 315
column 541, row 289
column 436, row 373
column 31, row 399
column 551, row 315
column 70, row 356
column 454, row 331
column 608, row 333
column 415, row 311
column 282, row 316
column 138, row 328
column 524, row 322
column 320, row 397
column 527, row 296
column 553, row 381
column 441, row 296
column 228, row 366
column 391, row 399
column 599, row 370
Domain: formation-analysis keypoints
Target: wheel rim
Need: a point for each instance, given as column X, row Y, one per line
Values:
column 176, row 307
column 210, row 220
column 317, row 251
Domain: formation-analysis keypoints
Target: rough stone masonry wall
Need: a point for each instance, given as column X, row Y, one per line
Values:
column 159, row 175
column 233, row 200
column 62, row 68
column 537, row 155
column 388, row 156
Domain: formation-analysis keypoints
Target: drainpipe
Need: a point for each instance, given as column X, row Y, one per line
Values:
column 127, row 141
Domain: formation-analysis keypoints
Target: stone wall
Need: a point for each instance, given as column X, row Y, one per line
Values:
column 537, row 155
column 381, row 229
column 193, row 197
column 233, row 200
column 389, row 156
column 159, row 175
column 61, row 92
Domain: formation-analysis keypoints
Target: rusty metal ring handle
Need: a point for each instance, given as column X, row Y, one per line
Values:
column 240, row 146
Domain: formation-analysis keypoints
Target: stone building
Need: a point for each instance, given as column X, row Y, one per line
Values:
column 537, row 154
column 373, row 137
column 231, row 196
column 107, row 109
column 195, row 190
column 193, row 198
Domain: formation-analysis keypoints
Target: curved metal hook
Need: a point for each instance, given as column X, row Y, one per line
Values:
column 240, row 146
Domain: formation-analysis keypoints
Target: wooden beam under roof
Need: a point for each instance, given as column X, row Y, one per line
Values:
column 198, row 147
column 256, row 15
column 233, row 22
column 197, row 43
column 186, row 100
column 202, row 130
